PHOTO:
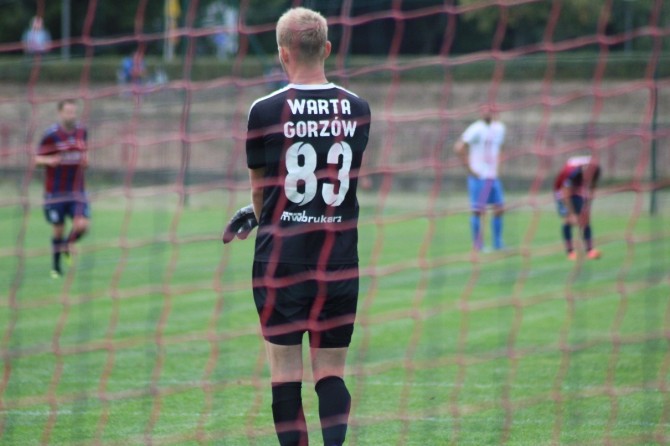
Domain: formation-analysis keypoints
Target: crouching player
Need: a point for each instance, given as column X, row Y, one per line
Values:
column 573, row 189
column 63, row 153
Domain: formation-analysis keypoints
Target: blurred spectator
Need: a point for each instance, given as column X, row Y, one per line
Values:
column 36, row 39
column 218, row 14
column 133, row 70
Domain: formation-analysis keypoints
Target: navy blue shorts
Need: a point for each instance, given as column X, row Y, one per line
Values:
column 292, row 300
column 56, row 209
column 578, row 203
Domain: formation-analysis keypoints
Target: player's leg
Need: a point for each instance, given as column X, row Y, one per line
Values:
column 55, row 216
column 334, row 398
column 80, row 220
column 58, row 246
column 335, row 311
column 286, row 374
column 497, row 199
column 587, row 233
column 477, row 206
column 277, row 307
column 78, row 230
column 566, row 229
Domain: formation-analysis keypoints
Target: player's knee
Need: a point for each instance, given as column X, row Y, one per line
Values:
column 58, row 231
column 81, row 226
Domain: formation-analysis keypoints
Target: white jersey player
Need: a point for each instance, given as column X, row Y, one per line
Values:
column 479, row 148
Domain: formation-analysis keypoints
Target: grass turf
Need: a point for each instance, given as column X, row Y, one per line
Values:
column 151, row 337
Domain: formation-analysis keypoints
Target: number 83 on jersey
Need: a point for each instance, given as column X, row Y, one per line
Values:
column 305, row 173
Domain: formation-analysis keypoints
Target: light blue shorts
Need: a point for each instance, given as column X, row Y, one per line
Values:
column 485, row 192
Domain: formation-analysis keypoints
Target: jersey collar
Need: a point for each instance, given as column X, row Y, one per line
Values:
column 325, row 86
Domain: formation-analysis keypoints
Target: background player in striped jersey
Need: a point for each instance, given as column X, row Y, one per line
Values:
column 573, row 190
column 305, row 145
column 63, row 153
column 479, row 149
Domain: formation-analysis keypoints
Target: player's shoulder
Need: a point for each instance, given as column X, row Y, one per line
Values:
column 270, row 98
column 52, row 129
column 50, row 132
column 347, row 92
column 476, row 126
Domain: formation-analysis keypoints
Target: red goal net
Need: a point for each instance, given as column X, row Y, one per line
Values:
column 151, row 335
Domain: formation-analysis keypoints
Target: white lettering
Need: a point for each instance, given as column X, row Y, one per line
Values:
column 319, row 106
column 302, row 217
column 301, row 129
column 312, row 129
column 323, row 107
column 289, row 130
column 335, row 128
column 333, row 102
column 324, row 128
column 311, row 107
column 321, row 128
column 297, row 106
column 349, row 127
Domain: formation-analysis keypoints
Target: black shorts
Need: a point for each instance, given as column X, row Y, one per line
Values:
column 56, row 209
column 294, row 299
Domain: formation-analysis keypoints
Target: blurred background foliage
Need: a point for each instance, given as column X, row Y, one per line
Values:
column 473, row 28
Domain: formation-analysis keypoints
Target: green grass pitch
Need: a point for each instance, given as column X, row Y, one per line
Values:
column 152, row 337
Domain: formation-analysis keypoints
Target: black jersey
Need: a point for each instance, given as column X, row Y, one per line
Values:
column 310, row 139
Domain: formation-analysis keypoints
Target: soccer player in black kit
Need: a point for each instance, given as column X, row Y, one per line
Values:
column 305, row 144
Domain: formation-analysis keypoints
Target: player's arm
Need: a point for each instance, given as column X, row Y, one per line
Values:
column 246, row 218
column 462, row 148
column 46, row 155
column 256, row 179
column 47, row 160
column 83, row 147
column 501, row 159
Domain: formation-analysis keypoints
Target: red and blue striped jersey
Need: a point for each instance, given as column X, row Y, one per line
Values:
column 68, row 175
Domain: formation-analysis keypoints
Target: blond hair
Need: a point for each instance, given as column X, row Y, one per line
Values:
column 303, row 31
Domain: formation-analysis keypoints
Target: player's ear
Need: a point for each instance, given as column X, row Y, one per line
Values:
column 327, row 50
column 283, row 55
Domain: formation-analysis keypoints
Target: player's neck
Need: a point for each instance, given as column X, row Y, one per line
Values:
column 308, row 76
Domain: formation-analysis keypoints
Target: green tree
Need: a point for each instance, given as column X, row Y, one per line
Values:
column 527, row 22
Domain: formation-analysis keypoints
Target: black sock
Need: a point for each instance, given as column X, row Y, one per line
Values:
column 287, row 412
column 567, row 237
column 75, row 235
column 334, row 405
column 56, row 246
column 588, row 237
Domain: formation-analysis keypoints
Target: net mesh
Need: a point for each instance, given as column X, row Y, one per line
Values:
column 151, row 336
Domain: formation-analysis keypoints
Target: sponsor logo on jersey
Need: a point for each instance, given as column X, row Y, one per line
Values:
column 302, row 217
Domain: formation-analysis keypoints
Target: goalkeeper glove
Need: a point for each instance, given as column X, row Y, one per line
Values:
column 240, row 225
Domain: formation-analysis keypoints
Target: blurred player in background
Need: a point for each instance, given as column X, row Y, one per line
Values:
column 479, row 149
column 63, row 152
column 36, row 39
column 133, row 69
column 573, row 190
column 305, row 146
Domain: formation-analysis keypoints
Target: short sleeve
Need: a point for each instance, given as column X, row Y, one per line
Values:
column 255, row 137
column 47, row 144
column 471, row 134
